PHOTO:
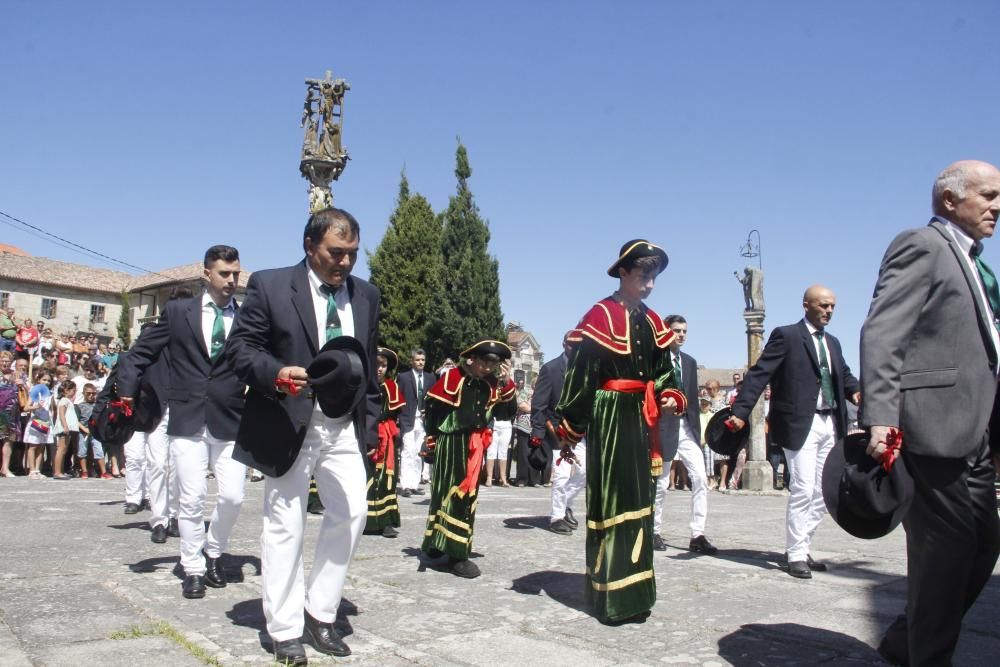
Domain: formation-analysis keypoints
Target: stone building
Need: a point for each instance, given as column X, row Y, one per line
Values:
column 526, row 357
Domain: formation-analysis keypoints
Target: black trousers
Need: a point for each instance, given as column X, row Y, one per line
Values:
column 952, row 542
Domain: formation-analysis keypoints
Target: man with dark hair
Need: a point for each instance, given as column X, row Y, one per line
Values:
column 618, row 376
column 205, row 404
column 682, row 434
column 929, row 351
column 289, row 315
column 414, row 385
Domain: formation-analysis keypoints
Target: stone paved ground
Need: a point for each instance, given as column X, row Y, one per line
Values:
column 81, row 583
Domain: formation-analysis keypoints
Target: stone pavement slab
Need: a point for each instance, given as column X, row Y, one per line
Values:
column 81, row 582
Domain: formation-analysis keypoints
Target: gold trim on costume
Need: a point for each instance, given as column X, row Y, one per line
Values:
column 621, row 518
column 383, row 501
column 622, row 583
column 447, row 533
column 452, row 520
column 600, row 555
column 637, row 547
column 383, row 510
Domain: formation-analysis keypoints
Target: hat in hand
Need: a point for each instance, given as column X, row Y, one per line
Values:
column 537, row 458
column 339, row 376
column 720, row 438
column 861, row 496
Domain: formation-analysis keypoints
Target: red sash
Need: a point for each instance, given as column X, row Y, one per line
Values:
column 650, row 413
column 479, row 442
column 386, row 452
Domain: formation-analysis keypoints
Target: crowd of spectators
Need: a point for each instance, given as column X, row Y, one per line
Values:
column 48, row 386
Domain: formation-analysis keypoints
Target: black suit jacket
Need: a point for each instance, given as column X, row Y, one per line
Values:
column 670, row 423
column 277, row 328
column 201, row 392
column 408, row 385
column 790, row 364
column 545, row 398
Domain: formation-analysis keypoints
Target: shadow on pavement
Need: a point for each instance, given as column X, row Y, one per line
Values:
column 768, row 560
column 152, row 565
column 792, row 644
column 526, row 522
column 250, row 614
column 140, row 525
column 566, row 588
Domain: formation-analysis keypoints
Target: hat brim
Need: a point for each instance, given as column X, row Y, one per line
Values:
column 392, row 360
column 335, row 404
column 657, row 251
column 720, row 439
column 484, row 347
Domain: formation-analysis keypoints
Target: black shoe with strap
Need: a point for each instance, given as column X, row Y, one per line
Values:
column 324, row 638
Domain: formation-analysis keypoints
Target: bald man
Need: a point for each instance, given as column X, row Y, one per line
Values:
column 929, row 351
column 810, row 387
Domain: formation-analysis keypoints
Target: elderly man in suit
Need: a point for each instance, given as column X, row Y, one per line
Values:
column 810, row 384
column 682, row 435
column 287, row 317
column 414, row 384
column 204, row 405
column 929, row 369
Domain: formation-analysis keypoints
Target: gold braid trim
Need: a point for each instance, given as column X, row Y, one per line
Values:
column 622, row 583
column 621, row 518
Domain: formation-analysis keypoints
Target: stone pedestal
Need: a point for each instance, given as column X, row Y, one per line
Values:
column 757, row 473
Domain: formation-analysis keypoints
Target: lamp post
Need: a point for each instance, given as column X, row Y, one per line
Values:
column 757, row 472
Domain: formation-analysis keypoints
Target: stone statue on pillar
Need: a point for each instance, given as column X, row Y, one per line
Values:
column 757, row 473
column 323, row 154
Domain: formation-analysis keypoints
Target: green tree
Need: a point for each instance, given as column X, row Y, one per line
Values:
column 125, row 322
column 406, row 267
column 468, row 308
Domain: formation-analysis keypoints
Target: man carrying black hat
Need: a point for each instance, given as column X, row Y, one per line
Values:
column 459, row 408
column 618, row 376
column 291, row 432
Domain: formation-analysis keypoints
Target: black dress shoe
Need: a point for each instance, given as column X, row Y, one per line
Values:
column 561, row 527
column 324, row 638
column 570, row 519
column 417, row 491
column 638, row 618
column 215, row 576
column 389, row 531
column 131, row 508
column 815, row 565
column 173, row 530
column 702, row 545
column 144, row 505
column 159, row 535
column 290, row 652
column 659, row 544
column 464, row 568
column 799, row 569
column 193, row 587
column 405, row 493
column 434, row 553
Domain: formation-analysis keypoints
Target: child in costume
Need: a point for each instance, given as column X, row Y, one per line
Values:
column 383, row 510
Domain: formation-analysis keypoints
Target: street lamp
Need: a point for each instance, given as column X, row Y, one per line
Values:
column 751, row 251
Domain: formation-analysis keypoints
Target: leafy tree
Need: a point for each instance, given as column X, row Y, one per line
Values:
column 406, row 267
column 125, row 322
column 468, row 308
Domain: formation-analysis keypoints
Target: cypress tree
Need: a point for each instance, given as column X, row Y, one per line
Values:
column 406, row 267
column 124, row 322
column 468, row 308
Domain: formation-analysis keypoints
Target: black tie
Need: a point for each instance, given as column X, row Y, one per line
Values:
column 420, row 391
column 825, row 379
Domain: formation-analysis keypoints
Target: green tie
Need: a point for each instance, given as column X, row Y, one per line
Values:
column 332, row 318
column 825, row 379
column 680, row 373
column 218, row 332
column 989, row 280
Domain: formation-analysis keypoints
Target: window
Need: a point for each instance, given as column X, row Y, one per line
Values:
column 48, row 309
column 5, row 300
column 96, row 313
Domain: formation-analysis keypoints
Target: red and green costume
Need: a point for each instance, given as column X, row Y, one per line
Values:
column 383, row 509
column 618, row 370
column 459, row 410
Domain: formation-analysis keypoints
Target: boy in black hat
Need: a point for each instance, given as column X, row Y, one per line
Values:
column 619, row 375
column 383, row 510
column 459, row 408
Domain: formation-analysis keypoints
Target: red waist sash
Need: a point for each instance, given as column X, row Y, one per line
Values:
column 479, row 442
column 386, row 452
column 650, row 414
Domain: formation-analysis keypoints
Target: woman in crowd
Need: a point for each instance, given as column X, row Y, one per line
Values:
column 27, row 338
column 10, row 410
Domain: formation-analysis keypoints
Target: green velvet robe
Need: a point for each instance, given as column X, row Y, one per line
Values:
column 619, row 577
column 457, row 406
column 383, row 507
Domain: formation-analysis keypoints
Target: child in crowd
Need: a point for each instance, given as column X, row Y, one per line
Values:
column 38, row 433
column 87, row 440
column 67, row 426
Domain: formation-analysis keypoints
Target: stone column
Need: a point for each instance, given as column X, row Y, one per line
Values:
column 757, row 473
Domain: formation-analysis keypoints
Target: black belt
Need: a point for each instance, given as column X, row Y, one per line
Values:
column 825, row 411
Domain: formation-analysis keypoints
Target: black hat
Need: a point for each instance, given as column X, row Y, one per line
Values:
column 339, row 375
column 392, row 361
column 485, row 347
column 635, row 249
column 720, row 439
column 861, row 496
column 537, row 458
column 112, row 423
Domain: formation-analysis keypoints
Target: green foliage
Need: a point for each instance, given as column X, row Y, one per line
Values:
column 406, row 267
column 124, row 322
column 468, row 307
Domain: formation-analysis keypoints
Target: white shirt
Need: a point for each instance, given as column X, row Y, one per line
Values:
column 820, row 403
column 344, row 311
column 208, row 319
column 965, row 244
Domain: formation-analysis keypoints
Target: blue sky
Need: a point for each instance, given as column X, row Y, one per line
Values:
column 152, row 130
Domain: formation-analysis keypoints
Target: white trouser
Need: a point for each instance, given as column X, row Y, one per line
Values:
column 190, row 457
column 502, row 432
column 135, row 468
column 568, row 480
column 693, row 458
column 410, row 462
column 330, row 454
column 161, row 478
column 805, row 499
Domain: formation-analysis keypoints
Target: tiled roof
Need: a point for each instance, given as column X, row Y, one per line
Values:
column 183, row 273
column 12, row 249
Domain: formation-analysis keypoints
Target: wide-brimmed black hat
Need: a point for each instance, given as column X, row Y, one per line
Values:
column 485, row 347
column 391, row 359
column 339, row 376
column 860, row 495
column 635, row 249
column 720, row 439
column 112, row 423
column 537, row 458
